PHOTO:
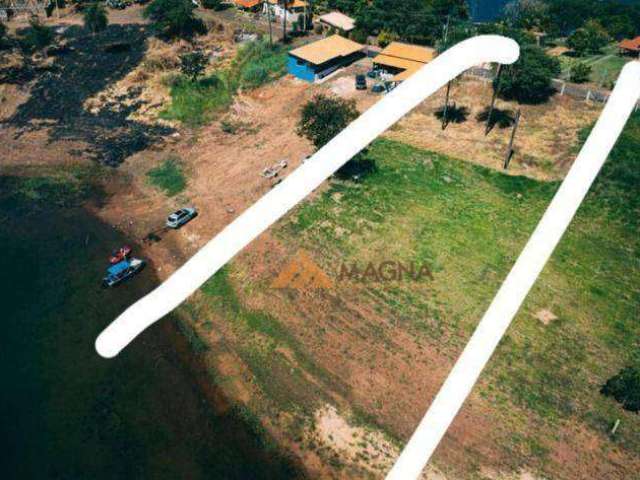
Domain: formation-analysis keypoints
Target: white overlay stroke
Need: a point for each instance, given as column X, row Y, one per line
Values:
column 307, row 177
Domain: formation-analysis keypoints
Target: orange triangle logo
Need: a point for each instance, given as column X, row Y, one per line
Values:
column 302, row 273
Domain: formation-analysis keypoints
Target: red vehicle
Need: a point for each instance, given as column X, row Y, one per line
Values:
column 120, row 254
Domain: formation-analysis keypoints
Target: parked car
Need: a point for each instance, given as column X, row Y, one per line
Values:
column 120, row 254
column 361, row 82
column 122, row 271
column 378, row 88
column 375, row 73
column 180, row 217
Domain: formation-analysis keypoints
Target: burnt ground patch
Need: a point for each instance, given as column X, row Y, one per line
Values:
column 88, row 65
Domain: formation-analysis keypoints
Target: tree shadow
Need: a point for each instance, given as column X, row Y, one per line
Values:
column 500, row 118
column 454, row 114
column 357, row 168
column 84, row 68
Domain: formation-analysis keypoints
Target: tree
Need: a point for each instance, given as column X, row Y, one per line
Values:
column 324, row 117
column 625, row 388
column 416, row 21
column 589, row 39
column 193, row 64
column 173, row 18
column 358, row 36
column 3, row 33
column 529, row 79
column 527, row 14
column 580, row 72
column 212, row 4
column 95, row 18
column 38, row 36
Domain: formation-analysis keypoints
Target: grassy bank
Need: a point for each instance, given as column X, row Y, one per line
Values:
column 194, row 103
column 468, row 224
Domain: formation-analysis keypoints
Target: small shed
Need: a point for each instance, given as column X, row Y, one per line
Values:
column 318, row 59
column 338, row 21
column 630, row 47
column 403, row 59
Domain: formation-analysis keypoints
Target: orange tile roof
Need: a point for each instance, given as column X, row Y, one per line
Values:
column 248, row 3
column 324, row 50
column 631, row 44
column 290, row 3
column 396, row 62
column 407, row 51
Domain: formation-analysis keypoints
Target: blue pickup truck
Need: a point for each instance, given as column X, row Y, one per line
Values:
column 122, row 271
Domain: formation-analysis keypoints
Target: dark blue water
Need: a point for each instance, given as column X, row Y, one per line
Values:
column 69, row 414
column 486, row 10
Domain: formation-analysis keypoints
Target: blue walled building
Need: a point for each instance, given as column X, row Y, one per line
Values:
column 317, row 60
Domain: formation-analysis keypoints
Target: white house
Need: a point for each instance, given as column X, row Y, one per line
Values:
column 338, row 21
column 294, row 9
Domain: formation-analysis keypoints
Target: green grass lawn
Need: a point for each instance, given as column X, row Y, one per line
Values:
column 606, row 66
column 168, row 177
column 469, row 224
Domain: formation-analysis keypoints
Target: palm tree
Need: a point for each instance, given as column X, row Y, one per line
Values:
column 284, row 22
column 269, row 20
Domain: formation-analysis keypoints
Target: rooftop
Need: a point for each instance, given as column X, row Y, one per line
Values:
column 326, row 49
column 408, row 51
column 338, row 20
column 631, row 44
column 248, row 3
column 290, row 3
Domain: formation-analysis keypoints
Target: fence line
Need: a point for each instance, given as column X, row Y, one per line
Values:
column 562, row 87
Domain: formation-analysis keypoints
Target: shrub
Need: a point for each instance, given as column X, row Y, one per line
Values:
column 193, row 64
column 625, row 388
column 38, row 36
column 529, row 79
column 257, row 63
column 385, row 38
column 580, row 72
column 253, row 75
column 324, row 117
column 359, row 36
column 95, row 18
column 173, row 18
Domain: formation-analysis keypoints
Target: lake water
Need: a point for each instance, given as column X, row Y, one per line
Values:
column 69, row 414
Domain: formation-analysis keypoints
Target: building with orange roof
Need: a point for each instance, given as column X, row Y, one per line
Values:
column 403, row 59
column 248, row 4
column 316, row 60
column 630, row 47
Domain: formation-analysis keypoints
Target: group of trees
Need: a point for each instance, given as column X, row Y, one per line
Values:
column 529, row 79
column 419, row 21
column 588, row 39
column 174, row 18
column 562, row 17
